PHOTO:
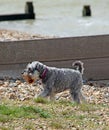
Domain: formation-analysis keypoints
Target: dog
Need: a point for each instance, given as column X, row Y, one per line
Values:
column 56, row 80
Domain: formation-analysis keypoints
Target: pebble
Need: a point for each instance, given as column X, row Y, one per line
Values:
column 16, row 89
column 12, row 35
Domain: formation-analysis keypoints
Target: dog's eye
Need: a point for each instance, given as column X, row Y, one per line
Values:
column 30, row 70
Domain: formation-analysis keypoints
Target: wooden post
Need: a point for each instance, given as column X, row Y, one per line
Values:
column 86, row 10
column 29, row 9
column 29, row 14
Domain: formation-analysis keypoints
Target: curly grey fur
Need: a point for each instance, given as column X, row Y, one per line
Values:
column 78, row 65
column 57, row 80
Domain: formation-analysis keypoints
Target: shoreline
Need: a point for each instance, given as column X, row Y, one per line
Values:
column 13, row 35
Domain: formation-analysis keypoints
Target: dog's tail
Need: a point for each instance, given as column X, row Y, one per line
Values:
column 78, row 65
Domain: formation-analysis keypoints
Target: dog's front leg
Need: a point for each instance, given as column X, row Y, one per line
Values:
column 46, row 92
column 52, row 95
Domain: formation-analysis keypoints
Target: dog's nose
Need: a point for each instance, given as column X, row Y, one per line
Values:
column 22, row 72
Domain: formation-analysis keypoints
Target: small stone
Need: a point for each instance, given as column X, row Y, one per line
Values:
column 12, row 96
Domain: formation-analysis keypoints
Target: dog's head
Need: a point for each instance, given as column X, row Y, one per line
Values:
column 31, row 73
column 34, row 71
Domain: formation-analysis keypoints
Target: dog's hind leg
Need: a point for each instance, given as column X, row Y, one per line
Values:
column 52, row 95
column 75, row 96
column 82, row 97
column 75, row 91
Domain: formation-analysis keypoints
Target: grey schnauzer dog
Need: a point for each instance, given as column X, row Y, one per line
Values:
column 56, row 80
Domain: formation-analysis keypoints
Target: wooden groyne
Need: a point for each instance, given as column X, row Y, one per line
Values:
column 29, row 14
column 58, row 52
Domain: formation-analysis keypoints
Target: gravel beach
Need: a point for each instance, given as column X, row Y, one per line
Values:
column 11, row 35
column 16, row 89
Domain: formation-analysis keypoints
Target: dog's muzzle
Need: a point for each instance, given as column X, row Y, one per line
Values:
column 28, row 78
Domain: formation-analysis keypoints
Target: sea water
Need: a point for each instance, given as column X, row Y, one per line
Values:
column 62, row 18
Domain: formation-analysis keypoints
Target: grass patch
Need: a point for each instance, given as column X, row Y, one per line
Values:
column 87, row 107
column 5, row 118
column 41, row 100
column 4, row 128
column 44, row 114
column 29, row 126
column 11, row 112
column 67, row 103
column 56, row 125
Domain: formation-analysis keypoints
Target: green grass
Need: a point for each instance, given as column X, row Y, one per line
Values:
column 11, row 112
column 30, row 126
column 4, row 128
column 44, row 114
column 41, row 100
column 56, row 125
